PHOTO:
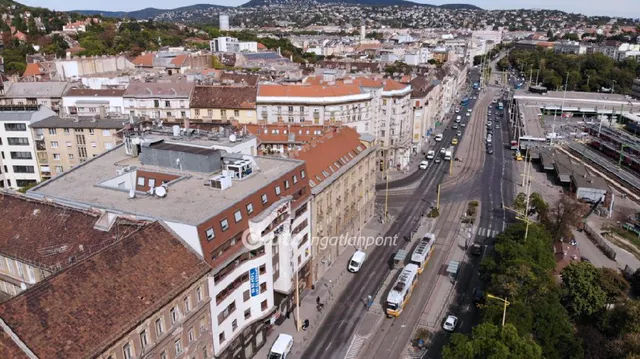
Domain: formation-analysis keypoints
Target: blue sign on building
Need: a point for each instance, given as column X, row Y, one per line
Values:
column 254, row 281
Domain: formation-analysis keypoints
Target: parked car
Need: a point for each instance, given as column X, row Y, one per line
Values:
column 476, row 249
column 443, row 150
column 424, row 165
column 450, row 323
column 478, row 296
column 431, row 154
column 459, row 134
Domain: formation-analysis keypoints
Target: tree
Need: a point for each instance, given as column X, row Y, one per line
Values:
column 549, row 33
column 613, row 284
column 491, row 341
column 635, row 283
column 553, row 330
column 565, row 214
column 537, row 205
column 582, row 295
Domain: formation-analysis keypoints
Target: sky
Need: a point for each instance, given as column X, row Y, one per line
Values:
column 625, row 8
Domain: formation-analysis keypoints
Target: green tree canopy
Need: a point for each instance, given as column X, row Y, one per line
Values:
column 582, row 295
column 490, row 341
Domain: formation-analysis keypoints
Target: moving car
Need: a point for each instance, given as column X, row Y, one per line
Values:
column 439, row 137
column 497, row 127
column 490, row 150
column 424, row 165
column 454, row 141
column 463, row 124
column 357, row 259
column 431, row 154
column 455, row 126
column 476, row 249
column 468, row 114
column 459, row 134
column 450, row 323
column 443, row 150
column 282, row 347
column 438, row 159
column 458, row 118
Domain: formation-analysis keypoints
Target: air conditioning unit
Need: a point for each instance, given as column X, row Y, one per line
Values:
column 221, row 182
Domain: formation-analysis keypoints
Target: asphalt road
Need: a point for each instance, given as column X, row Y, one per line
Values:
column 333, row 338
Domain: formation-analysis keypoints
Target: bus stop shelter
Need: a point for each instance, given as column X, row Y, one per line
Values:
column 452, row 269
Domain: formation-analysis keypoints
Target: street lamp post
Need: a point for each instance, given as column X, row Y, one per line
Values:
column 613, row 88
column 588, row 78
column 504, row 310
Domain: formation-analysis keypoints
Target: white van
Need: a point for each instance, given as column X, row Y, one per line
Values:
column 282, row 347
column 356, row 261
column 439, row 137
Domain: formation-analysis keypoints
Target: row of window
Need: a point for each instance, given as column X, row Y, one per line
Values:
column 15, row 127
column 66, row 131
column 17, row 141
column 107, row 145
column 223, row 113
column 264, row 198
column 234, row 324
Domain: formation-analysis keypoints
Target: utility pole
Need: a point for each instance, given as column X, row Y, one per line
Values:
column 564, row 96
column 438, row 199
column 386, row 194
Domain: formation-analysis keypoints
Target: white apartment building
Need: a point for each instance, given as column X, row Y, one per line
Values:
column 89, row 102
column 231, row 44
column 569, row 47
column 18, row 161
column 417, row 57
column 247, row 217
column 380, row 107
column 158, row 100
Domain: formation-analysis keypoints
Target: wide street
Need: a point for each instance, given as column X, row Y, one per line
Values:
column 406, row 207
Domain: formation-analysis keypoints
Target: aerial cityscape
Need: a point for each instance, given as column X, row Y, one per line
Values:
column 301, row 179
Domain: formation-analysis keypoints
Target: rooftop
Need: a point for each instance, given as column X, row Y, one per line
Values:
column 39, row 232
column 36, row 89
column 159, row 89
column 28, row 113
column 81, row 122
column 287, row 133
column 231, row 97
column 95, row 93
column 188, row 199
column 114, row 290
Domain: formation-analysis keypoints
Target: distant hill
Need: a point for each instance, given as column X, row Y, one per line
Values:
column 149, row 12
column 460, row 7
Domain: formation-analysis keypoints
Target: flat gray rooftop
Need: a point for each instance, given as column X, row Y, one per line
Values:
column 577, row 99
column 532, row 125
column 188, row 199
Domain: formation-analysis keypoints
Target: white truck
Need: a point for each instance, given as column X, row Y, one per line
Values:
column 448, row 153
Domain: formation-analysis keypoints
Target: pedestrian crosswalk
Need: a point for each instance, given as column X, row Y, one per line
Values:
column 354, row 349
column 486, row 232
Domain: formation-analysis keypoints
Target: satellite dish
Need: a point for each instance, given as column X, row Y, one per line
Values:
column 132, row 193
column 161, row 191
column 232, row 138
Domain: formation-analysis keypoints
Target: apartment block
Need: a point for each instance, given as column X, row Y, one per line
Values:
column 223, row 104
column 119, row 303
column 231, row 44
column 158, row 100
column 47, row 94
column 247, row 217
column 66, row 142
column 342, row 178
column 89, row 102
column 18, row 144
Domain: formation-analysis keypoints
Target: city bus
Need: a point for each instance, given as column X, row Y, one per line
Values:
column 422, row 253
column 401, row 292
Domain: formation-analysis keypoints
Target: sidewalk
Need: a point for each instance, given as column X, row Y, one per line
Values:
column 328, row 288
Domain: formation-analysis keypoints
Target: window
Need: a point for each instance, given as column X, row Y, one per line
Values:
column 156, row 103
column 92, row 131
column 70, row 156
column 159, row 327
column 183, row 114
column 163, row 355
column 197, row 112
column 263, row 287
column 237, row 216
column 295, row 179
column 106, row 133
column 78, row 130
column 94, row 145
column 143, row 339
column 236, row 113
column 224, row 224
column 16, row 127
column 178, row 345
column 167, row 104
column 203, row 324
column 263, row 305
column 264, row 199
column 82, row 152
column 68, row 143
column 23, row 169
column 223, row 113
column 221, row 338
column 18, row 141
column 234, row 325
column 126, row 351
column 20, row 155
column 31, row 273
column 174, row 315
column 108, row 146
column 247, row 313
column 210, row 235
column 168, row 113
column 54, row 144
column 302, row 174
column 152, row 182
column 286, row 184
column 66, row 131
column 59, row 169
column 56, row 156
column 277, row 190
column 187, row 304
column 191, row 336
column 20, row 269
column 199, row 294
column 52, row 131
column 249, row 208
column 141, row 181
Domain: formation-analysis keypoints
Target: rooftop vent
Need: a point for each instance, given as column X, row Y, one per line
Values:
column 221, row 182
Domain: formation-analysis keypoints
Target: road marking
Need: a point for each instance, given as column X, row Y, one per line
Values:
column 354, row 349
column 328, row 346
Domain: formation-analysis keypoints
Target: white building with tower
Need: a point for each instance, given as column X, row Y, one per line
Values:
column 224, row 22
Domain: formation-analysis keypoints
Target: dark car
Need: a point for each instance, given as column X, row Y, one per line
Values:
column 476, row 249
column 490, row 150
column 478, row 296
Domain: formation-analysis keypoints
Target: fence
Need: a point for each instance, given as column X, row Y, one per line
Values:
column 600, row 242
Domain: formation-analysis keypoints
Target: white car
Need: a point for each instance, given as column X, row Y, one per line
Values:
column 424, row 165
column 450, row 323
column 438, row 160
column 439, row 137
column 431, row 154
column 468, row 114
column 469, row 110
column 463, row 124
column 457, row 110
column 443, row 150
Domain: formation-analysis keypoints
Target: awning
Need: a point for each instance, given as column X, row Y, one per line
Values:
column 453, row 267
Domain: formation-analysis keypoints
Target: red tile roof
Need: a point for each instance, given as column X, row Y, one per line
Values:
column 145, row 60
column 330, row 153
column 9, row 349
column 179, row 60
column 337, row 90
column 261, row 46
column 51, row 235
column 32, row 70
column 301, row 133
column 223, row 97
column 82, row 311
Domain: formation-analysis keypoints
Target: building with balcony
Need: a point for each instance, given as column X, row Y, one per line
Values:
column 34, row 93
column 278, row 138
column 342, row 179
column 231, row 44
column 569, row 47
column 222, row 104
column 19, row 144
column 378, row 106
column 66, row 142
column 158, row 100
column 143, row 296
column 247, row 217
column 89, row 102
